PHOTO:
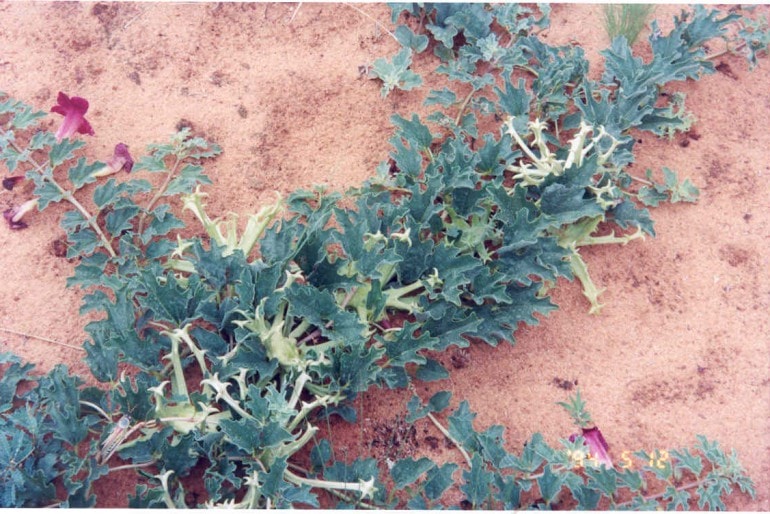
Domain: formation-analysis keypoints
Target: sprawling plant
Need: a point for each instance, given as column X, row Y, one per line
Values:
column 224, row 351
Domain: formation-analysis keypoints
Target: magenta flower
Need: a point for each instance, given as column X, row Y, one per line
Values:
column 14, row 215
column 598, row 446
column 10, row 182
column 74, row 112
column 121, row 160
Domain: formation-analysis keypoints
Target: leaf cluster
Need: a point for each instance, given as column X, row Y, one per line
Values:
column 239, row 343
column 44, row 451
column 540, row 476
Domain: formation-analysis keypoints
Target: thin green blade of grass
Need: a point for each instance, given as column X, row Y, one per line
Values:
column 626, row 20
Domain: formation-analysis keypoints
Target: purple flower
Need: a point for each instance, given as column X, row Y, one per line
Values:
column 14, row 215
column 121, row 160
column 10, row 182
column 74, row 112
column 598, row 446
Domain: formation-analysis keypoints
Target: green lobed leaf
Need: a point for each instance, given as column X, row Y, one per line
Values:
column 603, row 479
column 587, row 497
column 405, row 346
column 438, row 479
column 25, row 116
column 321, row 454
column 550, row 485
column 431, row 371
column 411, row 40
column 406, row 471
column 676, row 498
column 45, row 191
column 627, row 214
column 40, row 140
column 686, row 460
column 83, row 241
column 507, row 492
column 63, row 151
column 252, row 438
column 112, row 191
column 473, row 20
column 461, row 424
column 436, row 403
column 444, row 97
column 151, row 163
column 413, row 131
column 445, row 35
column 81, row 173
column 162, row 221
column 9, row 154
column 119, row 220
column 167, row 298
column 477, row 483
column 396, row 73
column 189, row 177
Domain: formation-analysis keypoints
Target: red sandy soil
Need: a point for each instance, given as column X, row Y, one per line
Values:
column 681, row 347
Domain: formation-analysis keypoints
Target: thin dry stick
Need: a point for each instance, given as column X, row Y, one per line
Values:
column 374, row 20
column 139, row 14
column 133, row 466
column 39, row 338
column 295, row 13
column 727, row 50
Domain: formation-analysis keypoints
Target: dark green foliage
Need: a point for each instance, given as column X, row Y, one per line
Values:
column 43, row 439
column 239, row 344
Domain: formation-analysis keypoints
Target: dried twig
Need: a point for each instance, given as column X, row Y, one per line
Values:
column 374, row 20
column 39, row 338
column 295, row 13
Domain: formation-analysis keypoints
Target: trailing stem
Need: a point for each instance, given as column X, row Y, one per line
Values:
column 69, row 197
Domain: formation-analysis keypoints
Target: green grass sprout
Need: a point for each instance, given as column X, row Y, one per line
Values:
column 626, row 20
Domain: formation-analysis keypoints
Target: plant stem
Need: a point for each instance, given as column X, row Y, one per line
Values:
column 67, row 195
column 97, row 409
column 727, row 50
column 641, row 180
column 334, row 492
column 661, row 495
column 158, row 195
column 45, row 339
column 463, row 106
column 451, row 438
column 91, row 221
column 133, row 466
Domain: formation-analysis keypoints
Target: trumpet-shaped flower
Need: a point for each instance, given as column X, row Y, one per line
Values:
column 74, row 112
column 14, row 215
column 10, row 182
column 597, row 446
column 121, row 160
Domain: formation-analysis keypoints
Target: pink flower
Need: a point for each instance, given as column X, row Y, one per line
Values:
column 597, row 446
column 121, row 160
column 14, row 215
column 74, row 112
